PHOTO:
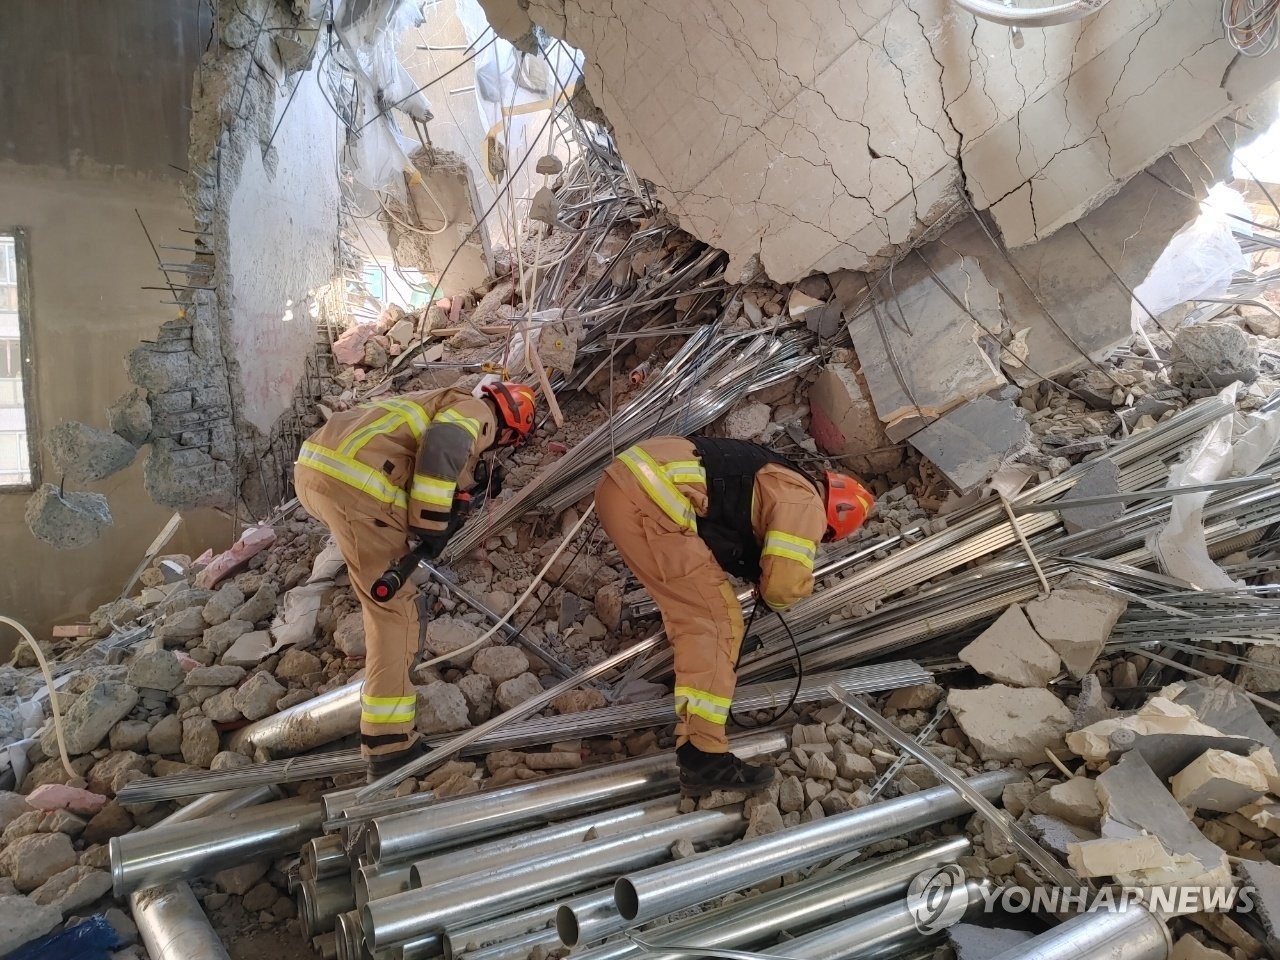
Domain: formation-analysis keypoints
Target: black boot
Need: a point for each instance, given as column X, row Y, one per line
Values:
column 382, row 764
column 700, row 773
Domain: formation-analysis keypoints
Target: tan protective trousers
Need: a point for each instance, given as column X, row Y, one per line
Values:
column 693, row 594
column 372, row 536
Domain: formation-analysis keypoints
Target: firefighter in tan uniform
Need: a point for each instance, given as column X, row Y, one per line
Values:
column 378, row 475
column 685, row 513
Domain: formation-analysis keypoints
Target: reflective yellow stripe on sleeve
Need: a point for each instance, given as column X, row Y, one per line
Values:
column 414, row 414
column 701, row 703
column 789, row 547
column 388, row 709
column 433, row 490
column 659, row 487
column 685, row 471
column 351, row 472
column 469, row 424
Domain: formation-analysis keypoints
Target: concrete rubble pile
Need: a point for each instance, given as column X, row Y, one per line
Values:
column 1109, row 711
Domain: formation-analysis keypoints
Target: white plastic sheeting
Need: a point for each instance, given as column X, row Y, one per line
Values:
column 515, row 93
column 1200, row 260
column 1235, row 446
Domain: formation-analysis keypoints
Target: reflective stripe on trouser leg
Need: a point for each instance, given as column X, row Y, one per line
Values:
column 698, row 606
column 371, row 537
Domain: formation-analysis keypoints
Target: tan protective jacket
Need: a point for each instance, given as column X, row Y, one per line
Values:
column 787, row 513
column 410, row 452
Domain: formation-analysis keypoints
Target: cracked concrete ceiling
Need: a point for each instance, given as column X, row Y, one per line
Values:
column 835, row 135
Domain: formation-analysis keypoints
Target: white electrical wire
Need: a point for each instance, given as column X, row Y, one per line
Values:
column 462, row 651
column 53, row 693
column 1252, row 26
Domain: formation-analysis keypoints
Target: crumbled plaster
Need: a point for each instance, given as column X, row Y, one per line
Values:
column 264, row 191
column 834, row 136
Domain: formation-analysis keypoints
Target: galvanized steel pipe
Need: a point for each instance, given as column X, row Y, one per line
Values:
column 746, row 921
column 880, row 933
column 170, row 921
column 1132, row 934
column 517, row 948
column 320, row 902
column 325, row 857
column 470, row 937
column 663, row 889
column 180, row 851
column 304, row 726
column 374, row 881
column 457, row 820
column 480, row 896
column 500, row 853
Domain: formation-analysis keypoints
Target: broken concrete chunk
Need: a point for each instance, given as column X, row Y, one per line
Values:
column 348, row 635
column 257, row 697
column 1101, row 479
column 84, row 454
column 1076, row 622
column 1219, row 781
column 88, row 721
column 1118, row 857
column 1011, row 723
column 219, row 639
column 67, row 519
column 444, row 635
column 920, row 696
column 73, row 889
column 499, row 663
column 517, row 690
column 1137, row 803
column 1265, row 880
column 1189, row 948
column 223, row 603
column 22, row 921
column 199, row 741
column 441, row 708
column 1075, row 801
column 30, row 861
column 748, row 422
column 844, row 423
column 1009, row 651
column 1222, row 352
column 156, row 670
column 130, row 417
column 1057, row 835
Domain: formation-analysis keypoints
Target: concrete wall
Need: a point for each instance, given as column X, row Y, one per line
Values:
column 91, row 116
column 834, row 136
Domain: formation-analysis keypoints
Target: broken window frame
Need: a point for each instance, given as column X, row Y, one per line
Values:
column 22, row 265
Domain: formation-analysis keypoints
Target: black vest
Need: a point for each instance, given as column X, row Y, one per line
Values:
column 731, row 467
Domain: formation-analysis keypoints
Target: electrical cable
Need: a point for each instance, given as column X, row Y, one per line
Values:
column 53, row 693
column 799, row 661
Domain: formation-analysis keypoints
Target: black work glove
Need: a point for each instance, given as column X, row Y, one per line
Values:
column 431, row 543
column 488, row 479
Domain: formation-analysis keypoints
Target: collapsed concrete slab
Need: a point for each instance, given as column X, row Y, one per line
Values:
column 1009, row 651
column 972, row 442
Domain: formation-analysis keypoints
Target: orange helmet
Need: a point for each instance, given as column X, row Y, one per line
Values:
column 516, row 407
column 848, row 503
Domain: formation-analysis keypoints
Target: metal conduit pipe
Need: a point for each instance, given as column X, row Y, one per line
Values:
column 471, row 937
column 373, row 882
column 883, row 932
column 1052, row 16
column 461, row 819
column 304, row 726
column 320, row 902
column 746, row 921
column 1132, row 934
column 324, row 857
column 325, row 946
column 517, row 948
column 180, row 851
column 478, row 897
column 170, row 921
column 663, row 889
column 500, row 853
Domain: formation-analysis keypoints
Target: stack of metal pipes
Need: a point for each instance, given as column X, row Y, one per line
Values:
column 582, row 856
